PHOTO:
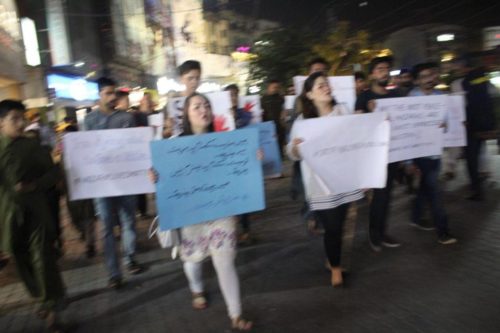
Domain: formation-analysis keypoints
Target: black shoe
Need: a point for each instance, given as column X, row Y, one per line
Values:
column 134, row 268
column 390, row 242
column 90, row 253
column 115, row 283
column 447, row 239
column 475, row 197
column 422, row 225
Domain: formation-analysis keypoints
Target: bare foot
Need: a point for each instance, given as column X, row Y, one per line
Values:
column 240, row 324
column 337, row 280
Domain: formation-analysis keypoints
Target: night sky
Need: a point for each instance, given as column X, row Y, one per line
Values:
column 380, row 17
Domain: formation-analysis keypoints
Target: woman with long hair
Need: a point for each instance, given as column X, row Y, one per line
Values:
column 328, row 208
column 216, row 238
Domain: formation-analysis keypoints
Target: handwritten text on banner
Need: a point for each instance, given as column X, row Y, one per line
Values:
column 108, row 163
column 209, row 176
column 415, row 125
column 346, row 152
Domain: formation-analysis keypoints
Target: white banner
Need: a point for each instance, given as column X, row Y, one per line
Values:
column 175, row 109
column 251, row 103
column 290, row 102
column 346, row 152
column 108, row 163
column 416, row 125
column 157, row 121
column 455, row 135
column 221, row 109
column 343, row 89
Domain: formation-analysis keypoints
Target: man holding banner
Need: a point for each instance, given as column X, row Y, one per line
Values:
column 427, row 77
column 106, row 117
column 379, row 70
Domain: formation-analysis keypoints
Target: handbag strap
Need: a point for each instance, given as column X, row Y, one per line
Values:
column 154, row 225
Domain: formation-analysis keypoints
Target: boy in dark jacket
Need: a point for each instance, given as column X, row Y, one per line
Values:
column 26, row 223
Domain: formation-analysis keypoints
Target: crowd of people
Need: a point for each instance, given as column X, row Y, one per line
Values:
column 32, row 181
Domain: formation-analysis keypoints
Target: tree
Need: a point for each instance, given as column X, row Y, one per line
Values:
column 280, row 55
column 343, row 48
column 283, row 54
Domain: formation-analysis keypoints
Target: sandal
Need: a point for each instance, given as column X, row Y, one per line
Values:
column 241, row 325
column 199, row 301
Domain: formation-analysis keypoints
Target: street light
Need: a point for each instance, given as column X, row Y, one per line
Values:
column 445, row 37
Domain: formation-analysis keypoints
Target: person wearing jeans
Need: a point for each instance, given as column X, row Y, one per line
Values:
column 379, row 70
column 125, row 208
column 379, row 212
column 108, row 209
column 427, row 77
column 429, row 189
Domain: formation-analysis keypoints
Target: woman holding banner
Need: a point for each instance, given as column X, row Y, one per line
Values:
column 216, row 239
column 328, row 208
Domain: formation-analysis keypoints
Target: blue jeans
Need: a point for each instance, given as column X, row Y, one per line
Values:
column 429, row 189
column 109, row 209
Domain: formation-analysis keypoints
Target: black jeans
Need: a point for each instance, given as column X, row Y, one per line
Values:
column 472, row 151
column 379, row 207
column 429, row 189
column 333, row 221
column 142, row 204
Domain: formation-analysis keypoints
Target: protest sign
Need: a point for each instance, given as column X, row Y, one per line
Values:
column 175, row 110
column 251, row 103
column 156, row 121
column 209, row 176
column 271, row 164
column 108, row 163
column 221, row 109
column 346, row 152
column 290, row 102
column 343, row 89
column 455, row 135
column 416, row 125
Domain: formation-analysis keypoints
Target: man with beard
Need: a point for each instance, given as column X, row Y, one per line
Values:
column 427, row 77
column 273, row 106
column 379, row 71
column 108, row 117
column 405, row 82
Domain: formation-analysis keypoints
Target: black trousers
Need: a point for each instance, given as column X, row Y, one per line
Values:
column 245, row 222
column 333, row 221
column 379, row 207
column 142, row 204
column 472, row 151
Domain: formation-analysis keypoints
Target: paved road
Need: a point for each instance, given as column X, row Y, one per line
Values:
column 421, row 287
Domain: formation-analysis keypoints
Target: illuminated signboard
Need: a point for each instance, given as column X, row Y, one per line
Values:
column 73, row 87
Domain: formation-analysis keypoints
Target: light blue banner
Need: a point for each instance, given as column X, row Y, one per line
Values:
column 209, row 176
column 269, row 144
